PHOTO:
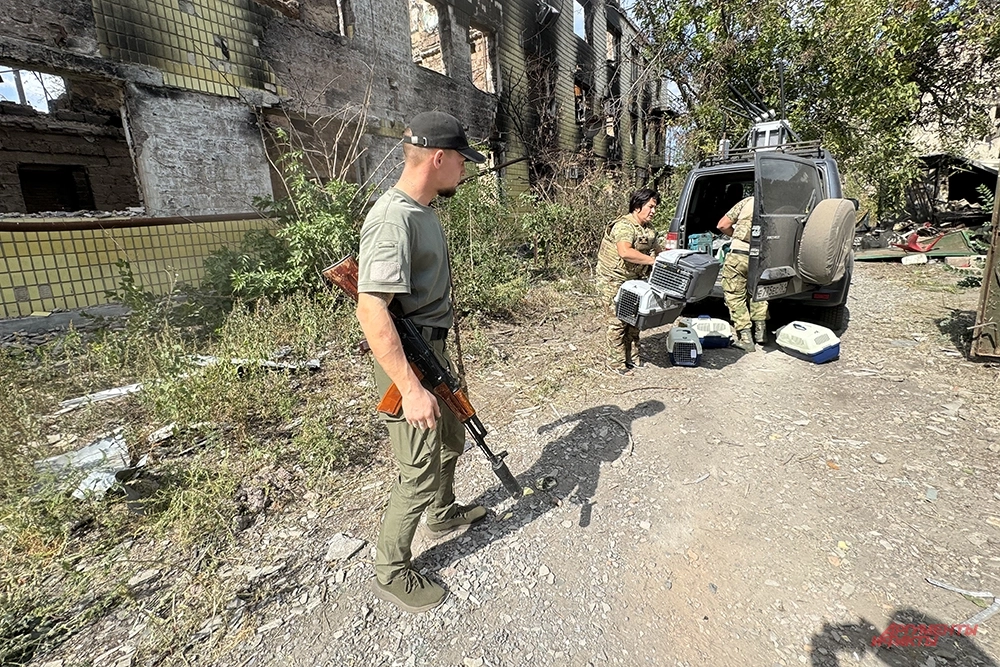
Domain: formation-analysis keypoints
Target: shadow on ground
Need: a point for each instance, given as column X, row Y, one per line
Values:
column 568, row 470
column 957, row 327
column 844, row 644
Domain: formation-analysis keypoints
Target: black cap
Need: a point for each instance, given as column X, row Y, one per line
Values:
column 437, row 129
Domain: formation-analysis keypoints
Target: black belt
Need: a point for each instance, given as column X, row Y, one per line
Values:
column 434, row 333
column 740, row 252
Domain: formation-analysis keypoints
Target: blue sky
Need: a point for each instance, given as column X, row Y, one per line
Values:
column 37, row 87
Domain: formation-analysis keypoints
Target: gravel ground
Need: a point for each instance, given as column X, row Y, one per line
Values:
column 756, row 510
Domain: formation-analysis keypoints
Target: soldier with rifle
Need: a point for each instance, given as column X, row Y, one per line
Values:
column 404, row 274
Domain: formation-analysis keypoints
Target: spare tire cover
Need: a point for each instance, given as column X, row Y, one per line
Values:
column 826, row 242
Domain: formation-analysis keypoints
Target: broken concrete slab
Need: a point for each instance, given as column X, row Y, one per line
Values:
column 342, row 547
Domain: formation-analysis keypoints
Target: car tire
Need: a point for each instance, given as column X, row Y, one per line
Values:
column 826, row 242
column 832, row 318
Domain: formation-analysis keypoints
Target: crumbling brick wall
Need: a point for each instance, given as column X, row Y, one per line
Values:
column 196, row 154
column 101, row 150
column 61, row 24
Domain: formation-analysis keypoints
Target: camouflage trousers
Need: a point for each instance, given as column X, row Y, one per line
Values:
column 734, row 283
column 623, row 339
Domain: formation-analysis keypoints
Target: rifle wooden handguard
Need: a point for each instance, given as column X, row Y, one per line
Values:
column 392, row 401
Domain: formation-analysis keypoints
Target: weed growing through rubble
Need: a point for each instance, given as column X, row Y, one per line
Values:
column 65, row 561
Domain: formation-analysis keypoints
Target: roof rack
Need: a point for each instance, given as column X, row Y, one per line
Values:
column 800, row 148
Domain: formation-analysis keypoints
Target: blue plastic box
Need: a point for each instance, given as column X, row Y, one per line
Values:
column 808, row 341
column 701, row 242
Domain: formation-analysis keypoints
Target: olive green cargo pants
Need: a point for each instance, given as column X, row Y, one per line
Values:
column 734, row 284
column 426, row 461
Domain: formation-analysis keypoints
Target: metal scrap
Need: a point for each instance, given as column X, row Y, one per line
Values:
column 106, row 462
column 979, row 617
column 206, row 360
column 106, row 395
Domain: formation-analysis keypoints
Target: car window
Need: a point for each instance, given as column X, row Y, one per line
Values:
column 788, row 187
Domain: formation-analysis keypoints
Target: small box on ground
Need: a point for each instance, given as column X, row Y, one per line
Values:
column 684, row 275
column 683, row 347
column 808, row 341
column 712, row 332
column 639, row 305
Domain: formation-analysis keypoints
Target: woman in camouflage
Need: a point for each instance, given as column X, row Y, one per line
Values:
column 627, row 251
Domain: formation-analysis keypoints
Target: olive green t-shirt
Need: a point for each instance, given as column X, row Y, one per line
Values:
column 404, row 253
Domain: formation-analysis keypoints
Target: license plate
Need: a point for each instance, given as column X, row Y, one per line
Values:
column 771, row 291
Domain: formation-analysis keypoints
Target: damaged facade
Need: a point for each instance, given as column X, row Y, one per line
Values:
column 171, row 105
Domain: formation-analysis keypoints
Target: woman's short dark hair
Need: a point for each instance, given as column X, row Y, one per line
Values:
column 640, row 197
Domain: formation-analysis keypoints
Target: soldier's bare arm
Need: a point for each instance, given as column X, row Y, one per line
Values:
column 420, row 407
column 726, row 225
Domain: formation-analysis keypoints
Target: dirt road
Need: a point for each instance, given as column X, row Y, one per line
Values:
column 757, row 510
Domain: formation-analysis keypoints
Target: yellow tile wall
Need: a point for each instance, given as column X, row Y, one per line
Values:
column 184, row 39
column 80, row 265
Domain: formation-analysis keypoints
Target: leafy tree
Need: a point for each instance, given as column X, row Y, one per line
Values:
column 860, row 75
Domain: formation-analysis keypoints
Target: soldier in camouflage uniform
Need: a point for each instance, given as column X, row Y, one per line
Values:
column 627, row 251
column 743, row 312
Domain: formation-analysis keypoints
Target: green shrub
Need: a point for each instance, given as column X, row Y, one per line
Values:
column 315, row 225
column 483, row 239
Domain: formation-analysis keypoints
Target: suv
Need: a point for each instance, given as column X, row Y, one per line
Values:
column 802, row 232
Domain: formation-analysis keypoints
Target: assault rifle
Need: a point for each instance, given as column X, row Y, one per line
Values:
column 434, row 376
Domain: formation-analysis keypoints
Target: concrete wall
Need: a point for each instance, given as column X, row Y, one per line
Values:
column 197, row 69
column 196, row 154
column 61, row 24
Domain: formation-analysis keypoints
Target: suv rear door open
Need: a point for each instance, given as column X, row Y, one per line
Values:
column 786, row 189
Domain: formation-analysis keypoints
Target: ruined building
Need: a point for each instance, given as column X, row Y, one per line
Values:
column 171, row 106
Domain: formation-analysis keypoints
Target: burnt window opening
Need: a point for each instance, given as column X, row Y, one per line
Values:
column 657, row 141
column 581, row 21
column 37, row 90
column 426, row 36
column 581, row 96
column 613, row 46
column 55, row 187
column 345, row 18
column 480, row 53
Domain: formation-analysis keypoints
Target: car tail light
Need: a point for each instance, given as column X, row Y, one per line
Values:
column 670, row 243
column 821, row 296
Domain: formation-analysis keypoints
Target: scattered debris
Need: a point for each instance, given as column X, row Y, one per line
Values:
column 342, row 547
column 106, row 461
column 698, row 480
column 979, row 617
column 162, row 434
column 206, row 360
column 106, row 395
column 919, row 258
